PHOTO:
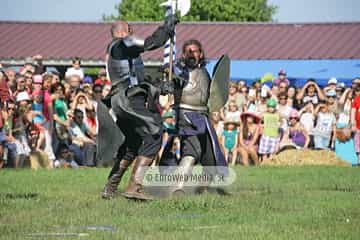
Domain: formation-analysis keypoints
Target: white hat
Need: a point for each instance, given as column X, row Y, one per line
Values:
column 22, row 96
column 332, row 81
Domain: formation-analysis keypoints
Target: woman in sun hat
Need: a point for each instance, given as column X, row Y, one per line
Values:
column 248, row 137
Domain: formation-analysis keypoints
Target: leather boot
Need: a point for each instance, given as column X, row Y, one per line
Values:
column 111, row 186
column 135, row 190
column 185, row 168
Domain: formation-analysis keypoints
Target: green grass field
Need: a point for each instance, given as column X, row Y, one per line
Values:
column 267, row 203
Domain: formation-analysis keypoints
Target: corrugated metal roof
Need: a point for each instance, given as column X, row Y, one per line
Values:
column 238, row 40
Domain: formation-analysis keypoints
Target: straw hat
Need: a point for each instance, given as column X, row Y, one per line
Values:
column 256, row 116
column 231, row 121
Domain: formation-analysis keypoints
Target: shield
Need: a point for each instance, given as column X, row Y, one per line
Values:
column 220, row 84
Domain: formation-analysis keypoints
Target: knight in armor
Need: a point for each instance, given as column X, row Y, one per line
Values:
column 191, row 88
column 132, row 128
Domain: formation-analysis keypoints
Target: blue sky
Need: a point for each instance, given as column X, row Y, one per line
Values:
column 92, row 10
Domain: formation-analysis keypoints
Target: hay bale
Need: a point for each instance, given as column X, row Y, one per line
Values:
column 299, row 157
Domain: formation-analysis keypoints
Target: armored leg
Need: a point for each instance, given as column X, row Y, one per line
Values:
column 185, row 168
column 135, row 190
column 114, row 179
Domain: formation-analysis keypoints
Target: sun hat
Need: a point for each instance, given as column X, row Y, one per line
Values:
column 294, row 113
column 332, row 81
column 256, row 116
column 231, row 121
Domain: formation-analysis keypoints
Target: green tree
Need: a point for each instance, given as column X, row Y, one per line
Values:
column 201, row 10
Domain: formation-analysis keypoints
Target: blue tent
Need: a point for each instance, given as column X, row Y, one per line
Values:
column 298, row 71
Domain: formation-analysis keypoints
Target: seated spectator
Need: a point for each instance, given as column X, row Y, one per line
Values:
column 248, row 137
column 65, row 158
column 230, row 140
column 296, row 133
column 75, row 70
column 325, row 126
column 7, row 140
column 83, row 143
column 282, row 78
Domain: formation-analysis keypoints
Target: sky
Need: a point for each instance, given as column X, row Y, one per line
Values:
column 92, row 10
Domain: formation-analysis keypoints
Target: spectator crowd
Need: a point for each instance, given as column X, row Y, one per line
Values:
column 47, row 119
column 52, row 119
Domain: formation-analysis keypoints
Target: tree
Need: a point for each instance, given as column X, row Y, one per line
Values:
column 201, row 10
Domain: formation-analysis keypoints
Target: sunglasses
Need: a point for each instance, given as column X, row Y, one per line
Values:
column 293, row 118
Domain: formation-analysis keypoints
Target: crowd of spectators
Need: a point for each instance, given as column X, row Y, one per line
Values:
column 263, row 118
column 41, row 112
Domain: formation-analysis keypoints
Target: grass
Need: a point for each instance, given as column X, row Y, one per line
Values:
column 267, row 203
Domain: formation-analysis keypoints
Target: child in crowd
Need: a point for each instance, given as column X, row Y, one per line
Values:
column 325, row 127
column 248, row 137
column 269, row 142
column 251, row 103
column 230, row 140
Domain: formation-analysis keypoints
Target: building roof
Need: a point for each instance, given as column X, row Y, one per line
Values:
column 238, row 40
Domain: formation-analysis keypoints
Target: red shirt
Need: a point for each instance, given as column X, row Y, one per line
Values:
column 356, row 104
column 99, row 81
column 46, row 102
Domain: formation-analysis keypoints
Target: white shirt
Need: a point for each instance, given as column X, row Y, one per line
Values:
column 307, row 120
column 73, row 71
